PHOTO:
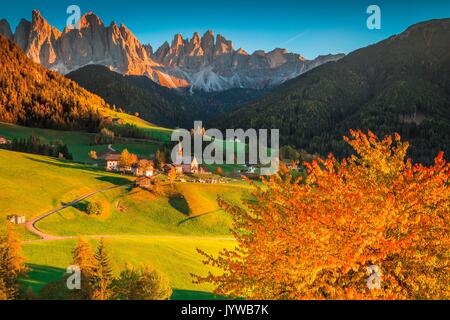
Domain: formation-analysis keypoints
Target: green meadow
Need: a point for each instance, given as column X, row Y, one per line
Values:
column 32, row 184
column 177, row 257
column 79, row 143
column 141, row 228
column 191, row 209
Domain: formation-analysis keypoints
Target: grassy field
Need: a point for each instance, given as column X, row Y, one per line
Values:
column 142, row 228
column 77, row 142
column 152, row 131
column 32, row 185
column 177, row 257
column 190, row 209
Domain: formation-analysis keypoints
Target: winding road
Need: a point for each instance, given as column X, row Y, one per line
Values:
column 31, row 225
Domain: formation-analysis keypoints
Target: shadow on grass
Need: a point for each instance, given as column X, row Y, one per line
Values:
column 179, row 294
column 115, row 180
column 39, row 276
column 67, row 164
column 179, row 203
column 118, row 181
column 81, row 206
column 196, row 217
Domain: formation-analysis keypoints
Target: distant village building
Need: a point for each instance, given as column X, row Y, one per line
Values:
column 192, row 167
column 118, row 121
column 107, row 120
column 204, row 170
column 3, row 140
column 112, row 162
column 185, row 164
column 17, row 219
column 143, row 182
column 178, row 168
column 138, row 172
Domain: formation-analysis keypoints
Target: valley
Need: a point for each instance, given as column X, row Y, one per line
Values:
column 164, row 230
column 91, row 178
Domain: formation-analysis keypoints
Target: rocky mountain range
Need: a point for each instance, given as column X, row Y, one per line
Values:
column 206, row 63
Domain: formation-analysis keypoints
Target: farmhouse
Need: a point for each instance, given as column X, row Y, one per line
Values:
column 3, row 140
column 143, row 182
column 139, row 172
column 178, row 168
column 112, row 161
column 17, row 219
column 191, row 167
column 118, row 121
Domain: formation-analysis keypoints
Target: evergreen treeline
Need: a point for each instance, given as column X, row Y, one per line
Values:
column 36, row 145
column 159, row 105
column 31, row 95
column 401, row 85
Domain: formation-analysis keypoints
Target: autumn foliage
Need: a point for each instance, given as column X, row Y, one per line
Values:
column 314, row 237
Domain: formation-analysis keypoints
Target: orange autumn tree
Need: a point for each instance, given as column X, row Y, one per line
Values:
column 315, row 237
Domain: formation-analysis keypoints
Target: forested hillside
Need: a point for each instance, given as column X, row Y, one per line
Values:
column 401, row 84
column 157, row 104
column 31, row 95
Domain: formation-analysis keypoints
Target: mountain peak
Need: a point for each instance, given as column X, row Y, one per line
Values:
column 195, row 38
column 177, row 40
column 203, row 62
column 5, row 29
column 90, row 19
column 223, row 45
column 36, row 15
column 242, row 52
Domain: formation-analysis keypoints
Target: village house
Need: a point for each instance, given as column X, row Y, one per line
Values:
column 3, row 140
column 204, row 170
column 138, row 172
column 192, row 167
column 178, row 168
column 185, row 164
column 112, row 161
column 118, row 121
column 17, row 219
column 143, row 182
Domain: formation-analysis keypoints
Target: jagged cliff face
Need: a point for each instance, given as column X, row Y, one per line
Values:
column 205, row 63
column 212, row 64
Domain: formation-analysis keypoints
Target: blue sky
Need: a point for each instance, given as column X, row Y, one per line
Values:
column 306, row 27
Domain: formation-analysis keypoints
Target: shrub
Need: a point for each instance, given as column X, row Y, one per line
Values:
column 142, row 284
column 94, row 208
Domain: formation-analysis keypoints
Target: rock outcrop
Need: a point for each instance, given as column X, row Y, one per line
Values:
column 205, row 63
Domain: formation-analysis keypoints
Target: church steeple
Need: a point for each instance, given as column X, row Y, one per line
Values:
column 179, row 153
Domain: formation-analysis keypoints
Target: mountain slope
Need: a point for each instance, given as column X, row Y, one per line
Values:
column 33, row 96
column 205, row 63
column 212, row 64
column 401, row 84
column 30, row 95
column 155, row 103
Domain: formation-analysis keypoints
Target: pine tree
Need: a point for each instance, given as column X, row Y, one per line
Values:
column 103, row 274
column 12, row 263
column 83, row 257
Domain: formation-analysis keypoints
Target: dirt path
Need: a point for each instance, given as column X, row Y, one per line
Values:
column 31, row 225
column 96, row 236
